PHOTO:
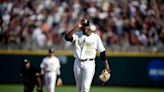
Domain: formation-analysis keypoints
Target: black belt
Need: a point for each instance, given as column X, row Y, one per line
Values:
column 83, row 60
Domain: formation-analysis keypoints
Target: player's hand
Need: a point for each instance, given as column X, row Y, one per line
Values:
column 79, row 25
column 108, row 70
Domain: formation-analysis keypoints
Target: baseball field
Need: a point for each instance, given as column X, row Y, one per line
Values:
column 19, row 88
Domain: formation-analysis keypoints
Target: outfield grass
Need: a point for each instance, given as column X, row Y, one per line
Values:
column 19, row 88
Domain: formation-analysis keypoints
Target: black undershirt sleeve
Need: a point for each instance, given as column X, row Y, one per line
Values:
column 58, row 76
column 103, row 55
column 68, row 39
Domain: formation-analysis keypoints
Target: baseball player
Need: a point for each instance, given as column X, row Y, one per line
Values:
column 50, row 67
column 30, row 77
column 85, row 44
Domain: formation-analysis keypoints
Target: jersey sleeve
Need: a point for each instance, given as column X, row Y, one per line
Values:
column 42, row 66
column 100, row 46
column 74, row 37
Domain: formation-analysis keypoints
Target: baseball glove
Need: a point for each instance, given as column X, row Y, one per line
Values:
column 104, row 76
column 59, row 82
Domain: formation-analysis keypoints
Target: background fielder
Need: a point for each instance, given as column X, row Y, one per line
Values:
column 50, row 67
column 85, row 44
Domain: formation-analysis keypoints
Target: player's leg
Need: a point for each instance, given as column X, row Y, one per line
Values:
column 50, row 81
column 47, row 82
column 53, row 81
column 77, row 74
column 30, row 87
column 87, row 76
column 26, row 89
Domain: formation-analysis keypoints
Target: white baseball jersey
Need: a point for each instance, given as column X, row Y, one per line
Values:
column 85, row 46
column 51, row 67
column 51, row 64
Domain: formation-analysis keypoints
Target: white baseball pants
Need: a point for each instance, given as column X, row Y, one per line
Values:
column 50, row 81
column 84, row 72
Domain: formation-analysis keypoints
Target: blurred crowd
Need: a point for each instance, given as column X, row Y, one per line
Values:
column 123, row 25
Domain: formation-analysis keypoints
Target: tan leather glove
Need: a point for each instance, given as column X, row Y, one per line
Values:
column 59, row 82
column 104, row 76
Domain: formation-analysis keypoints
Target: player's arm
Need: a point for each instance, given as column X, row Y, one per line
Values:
column 21, row 75
column 39, row 83
column 42, row 71
column 105, row 61
column 58, row 72
column 59, row 81
column 69, row 35
column 101, row 49
column 42, row 65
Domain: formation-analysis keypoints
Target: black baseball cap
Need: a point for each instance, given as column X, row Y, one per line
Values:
column 85, row 22
column 51, row 50
column 25, row 61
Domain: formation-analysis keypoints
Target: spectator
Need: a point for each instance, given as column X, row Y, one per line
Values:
column 142, row 21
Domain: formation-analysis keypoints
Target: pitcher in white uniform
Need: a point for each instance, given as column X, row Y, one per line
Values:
column 50, row 67
column 85, row 44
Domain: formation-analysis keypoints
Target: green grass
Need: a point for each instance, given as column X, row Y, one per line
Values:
column 19, row 88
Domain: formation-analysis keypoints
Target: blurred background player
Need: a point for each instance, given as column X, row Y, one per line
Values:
column 85, row 44
column 50, row 67
column 30, row 77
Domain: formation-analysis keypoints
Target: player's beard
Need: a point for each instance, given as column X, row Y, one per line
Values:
column 86, row 31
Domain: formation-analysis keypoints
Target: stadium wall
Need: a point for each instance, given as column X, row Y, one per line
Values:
column 128, row 69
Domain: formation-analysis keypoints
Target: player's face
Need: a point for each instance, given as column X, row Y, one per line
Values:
column 50, row 54
column 27, row 66
column 86, row 31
